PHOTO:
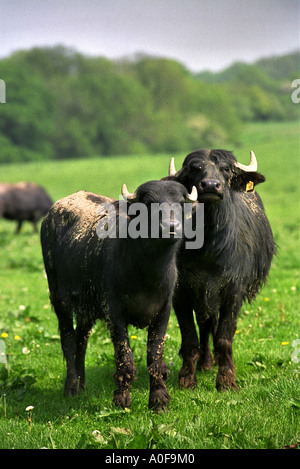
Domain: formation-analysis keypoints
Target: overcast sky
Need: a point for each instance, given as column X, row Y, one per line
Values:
column 201, row 34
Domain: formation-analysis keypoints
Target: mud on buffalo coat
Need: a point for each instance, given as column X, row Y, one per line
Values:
column 23, row 201
column 123, row 281
column 230, row 268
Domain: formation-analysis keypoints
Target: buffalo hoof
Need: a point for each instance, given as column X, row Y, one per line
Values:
column 73, row 387
column 187, row 380
column 226, row 379
column 70, row 392
column 159, row 400
column 205, row 363
column 122, row 399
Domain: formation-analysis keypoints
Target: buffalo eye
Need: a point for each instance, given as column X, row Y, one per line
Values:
column 226, row 169
column 194, row 169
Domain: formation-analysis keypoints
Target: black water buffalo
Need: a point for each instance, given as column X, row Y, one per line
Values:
column 23, row 201
column 123, row 280
column 230, row 268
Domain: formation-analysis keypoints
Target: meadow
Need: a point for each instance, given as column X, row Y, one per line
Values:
column 263, row 413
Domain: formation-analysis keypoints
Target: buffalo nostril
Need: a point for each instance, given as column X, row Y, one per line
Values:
column 175, row 226
column 210, row 185
column 171, row 228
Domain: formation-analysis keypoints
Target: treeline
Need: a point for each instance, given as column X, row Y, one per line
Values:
column 62, row 104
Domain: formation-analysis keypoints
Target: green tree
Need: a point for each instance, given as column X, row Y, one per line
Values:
column 26, row 118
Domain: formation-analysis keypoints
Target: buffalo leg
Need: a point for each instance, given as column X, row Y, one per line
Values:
column 223, row 346
column 35, row 226
column 19, row 226
column 206, row 328
column 126, row 370
column 159, row 397
column 189, row 342
column 82, row 337
column 68, row 344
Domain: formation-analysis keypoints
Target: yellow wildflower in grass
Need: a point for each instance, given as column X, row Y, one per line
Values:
column 133, row 337
column 17, row 337
column 267, row 299
column 284, row 343
column 4, row 334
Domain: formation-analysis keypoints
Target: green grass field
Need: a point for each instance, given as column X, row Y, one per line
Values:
column 264, row 413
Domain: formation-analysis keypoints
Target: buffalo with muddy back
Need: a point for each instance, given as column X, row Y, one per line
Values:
column 230, row 268
column 123, row 280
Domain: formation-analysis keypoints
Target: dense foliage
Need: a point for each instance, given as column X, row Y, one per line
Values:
column 61, row 104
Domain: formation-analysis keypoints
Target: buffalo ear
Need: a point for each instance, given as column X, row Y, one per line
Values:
column 246, row 181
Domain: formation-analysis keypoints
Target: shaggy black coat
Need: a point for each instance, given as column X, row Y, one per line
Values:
column 122, row 280
column 230, row 268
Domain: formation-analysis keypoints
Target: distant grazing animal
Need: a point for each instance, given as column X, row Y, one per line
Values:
column 23, row 201
column 232, row 265
column 127, row 280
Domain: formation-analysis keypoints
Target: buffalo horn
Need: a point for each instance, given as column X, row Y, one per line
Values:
column 127, row 195
column 172, row 170
column 193, row 196
column 252, row 166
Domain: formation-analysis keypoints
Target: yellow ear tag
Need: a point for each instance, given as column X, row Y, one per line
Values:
column 249, row 186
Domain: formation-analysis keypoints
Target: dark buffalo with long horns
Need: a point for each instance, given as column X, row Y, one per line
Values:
column 229, row 269
column 94, row 272
column 24, row 201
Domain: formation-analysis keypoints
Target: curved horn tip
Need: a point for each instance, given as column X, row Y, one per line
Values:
column 172, row 170
column 252, row 165
column 253, row 160
column 193, row 196
column 125, row 193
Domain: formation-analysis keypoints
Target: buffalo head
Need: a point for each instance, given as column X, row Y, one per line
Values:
column 214, row 173
column 165, row 200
